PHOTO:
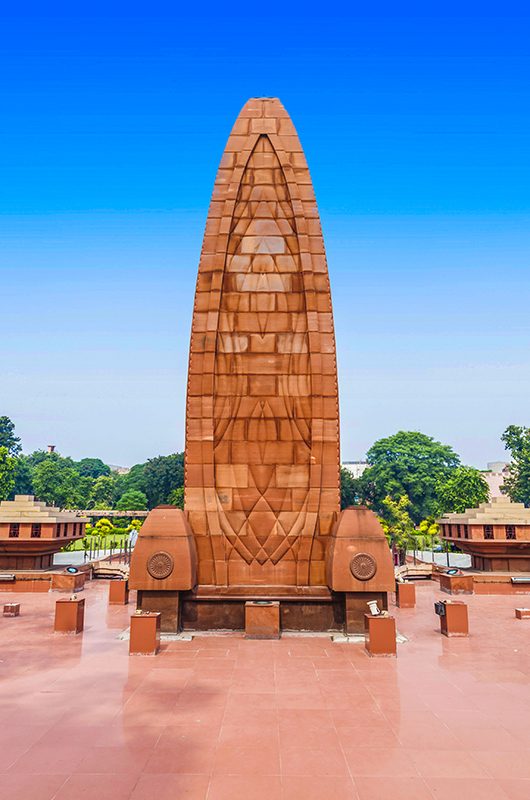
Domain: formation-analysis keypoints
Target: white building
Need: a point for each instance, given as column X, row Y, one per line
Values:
column 494, row 476
column 356, row 468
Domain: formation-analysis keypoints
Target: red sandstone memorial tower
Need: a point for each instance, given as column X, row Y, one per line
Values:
column 262, row 495
column 262, row 432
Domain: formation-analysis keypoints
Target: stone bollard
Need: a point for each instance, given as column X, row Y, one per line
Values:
column 145, row 634
column 11, row 609
column 69, row 615
column 262, row 619
column 522, row 613
column 456, row 584
column 380, row 635
column 453, row 617
column 119, row 593
column 405, row 595
column 68, row 582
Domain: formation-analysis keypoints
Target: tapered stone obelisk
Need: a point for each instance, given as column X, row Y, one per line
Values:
column 262, row 423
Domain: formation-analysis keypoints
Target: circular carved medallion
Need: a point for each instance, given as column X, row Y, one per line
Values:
column 363, row 566
column 160, row 565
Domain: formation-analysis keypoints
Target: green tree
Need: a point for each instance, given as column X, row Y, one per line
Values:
column 102, row 492
column 38, row 456
column 398, row 525
column 176, row 498
column 23, row 477
column 134, row 479
column 464, row 488
column 7, row 473
column 427, row 535
column 8, row 438
column 92, row 467
column 407, row 463
column 56, row 482
column 161, row 476
column 348, row 488
column 517, row 483
column 132, row 500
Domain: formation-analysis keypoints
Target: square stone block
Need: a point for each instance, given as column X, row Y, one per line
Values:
column 11, row 609
column 520, row 613
column 69, row 615
column 262, row 619
column 145, row 634
column 455, row 620
column 118, row 593
column 456, row 584
column 68, row 582
column 380, row 635
column 405, row 595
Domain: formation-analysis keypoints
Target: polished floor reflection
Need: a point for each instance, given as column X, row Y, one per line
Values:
column 221, row 717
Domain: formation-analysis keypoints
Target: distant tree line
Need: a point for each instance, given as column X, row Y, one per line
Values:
column 411, row 479
column 88, row 483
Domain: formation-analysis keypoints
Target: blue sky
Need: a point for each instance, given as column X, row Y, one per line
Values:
column 416, row 130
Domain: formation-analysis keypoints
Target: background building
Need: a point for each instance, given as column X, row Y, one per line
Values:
column 31, row 532
column 496, row 535
column 494, row 476
column 356, row 468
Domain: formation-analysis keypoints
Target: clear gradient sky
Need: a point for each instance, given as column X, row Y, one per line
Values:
column 113, row 117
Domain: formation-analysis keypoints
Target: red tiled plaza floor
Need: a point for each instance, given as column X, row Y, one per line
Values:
column 223, row 718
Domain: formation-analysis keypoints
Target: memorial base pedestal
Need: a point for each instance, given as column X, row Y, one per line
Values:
column 145, row 634
column 380, row 635
column 69, row 615
column 455, row 621
column 405, row 595
column 262, row 619
column 118, row 593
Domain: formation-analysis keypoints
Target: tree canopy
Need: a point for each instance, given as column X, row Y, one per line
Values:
column 7, row 473
column 161, row 476
column 408, row 463
column 176, row 497
column 23, row 476
column 464, row 488
column 57, row 482
column 92, row 467
column 8, row 438
column 348, row 488
column 132, row 500
column 517, row 483
column 89, row 482
column 102, row 492
column 398, row 524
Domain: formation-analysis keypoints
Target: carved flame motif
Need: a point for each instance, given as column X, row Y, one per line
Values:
column 265, row 424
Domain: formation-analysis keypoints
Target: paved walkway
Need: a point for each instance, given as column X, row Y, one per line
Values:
column 78, row 557
column 222, row 718
column 461, row 560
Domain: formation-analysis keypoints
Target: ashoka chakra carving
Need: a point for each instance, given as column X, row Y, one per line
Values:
column 363, row 566
column 160, row 565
